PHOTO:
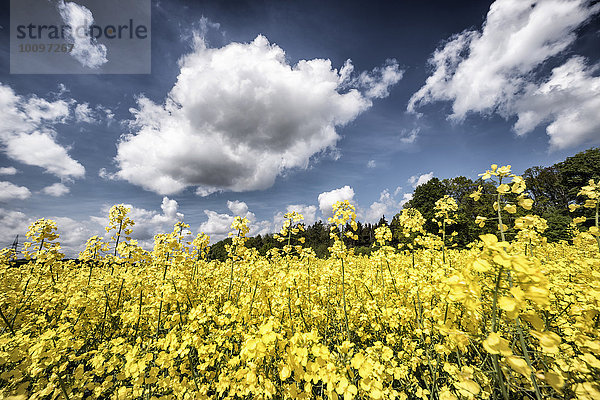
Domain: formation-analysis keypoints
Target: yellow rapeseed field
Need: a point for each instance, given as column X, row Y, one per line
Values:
column 498, row 320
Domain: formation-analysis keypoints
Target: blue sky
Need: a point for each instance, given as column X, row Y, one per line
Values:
column 253, row 108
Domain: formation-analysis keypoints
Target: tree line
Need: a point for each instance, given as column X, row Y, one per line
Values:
column 551, row 188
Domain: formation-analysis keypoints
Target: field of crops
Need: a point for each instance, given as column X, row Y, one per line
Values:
column 499, row 320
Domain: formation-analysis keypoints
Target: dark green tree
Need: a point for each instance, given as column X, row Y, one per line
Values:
column 424, row 198
column 576, row 171
column 545, row 188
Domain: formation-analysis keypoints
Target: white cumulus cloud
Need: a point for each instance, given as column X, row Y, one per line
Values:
column 405, row 199
column 377, row 82
column 10, row 191
column 27, row 133
column 8, row 171
column 56, row 189
column 387, row 205
column 83, row 113
column 417, row 180
column 569, row 100
column 498, row 70
column 328, row 199
column 410, row 136
column 239, row 116
column 86, row 50
column 12, row 223
column 218, row 225
column 238, row 208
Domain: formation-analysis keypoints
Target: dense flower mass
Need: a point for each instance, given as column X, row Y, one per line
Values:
column 495, row 320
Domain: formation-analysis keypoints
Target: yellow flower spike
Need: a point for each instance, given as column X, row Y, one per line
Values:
column 489, row 240
column 587, row 391
column 476, row 195
column 538, row 295
column 589, row 203
column 480, row 221
column 382, row 235
column 518, row 185
column 549, row 341
column 504, row 171
column 486, row 175
column 534, row 320
column 285, row 373
column 573, row 207
column 495, row 344
column 510, row 208
column 590, row 360
column 481, row 265
column 525, row 203
column 468, row 388
column 446, row 394
column 510, row 305
column 519, row 365
column 555, row 380
column 503, row 189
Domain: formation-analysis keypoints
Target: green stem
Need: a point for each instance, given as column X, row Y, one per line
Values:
column 444, row 241
column 597, row 237
column 161, row 298
column 344, row 299
column 63, row 388
column 495, row 299
column 230, row 281
column 252, row 301
column 137, row 325
column 528, row 360
column 499, row 374
column 118, row 237
column 231, row 275
column 524, row 349
column 500, row 225
column 393, row 280
column 8, row 324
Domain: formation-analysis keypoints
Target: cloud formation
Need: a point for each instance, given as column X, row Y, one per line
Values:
column 56, row 189
column 27, row 133
column 568, row 100
column 417, row 180
column 500, row 70
column 10, row 191
column 12, row 223
column 218, row 226
column 83, row 113
column 86, row 50
column 409, row 137
column 387, row 204
column 328, row 199
column 239, row 116
column 8, row 171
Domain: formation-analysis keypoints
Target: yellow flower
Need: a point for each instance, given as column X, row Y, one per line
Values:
column 495, row 344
